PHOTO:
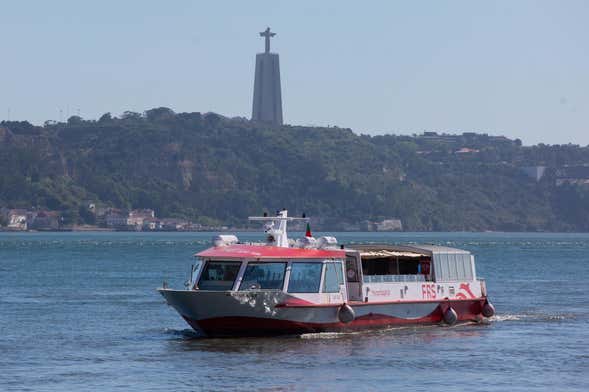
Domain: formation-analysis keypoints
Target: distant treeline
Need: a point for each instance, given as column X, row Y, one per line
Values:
column 212, row 169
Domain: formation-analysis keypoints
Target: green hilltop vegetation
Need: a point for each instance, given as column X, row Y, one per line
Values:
column 212, row 169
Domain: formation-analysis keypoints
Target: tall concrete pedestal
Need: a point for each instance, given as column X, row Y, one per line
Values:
column 267, row 105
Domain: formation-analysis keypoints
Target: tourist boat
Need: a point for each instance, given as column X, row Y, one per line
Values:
column 313, row 285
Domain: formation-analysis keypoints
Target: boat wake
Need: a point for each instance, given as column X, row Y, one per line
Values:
column 532, row 317
column 379, row 331
column 507, row 317
column 326, row 335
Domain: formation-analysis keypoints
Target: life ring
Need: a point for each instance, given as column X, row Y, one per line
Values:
column 450, row 316
column 351, row 273
column 346, row 314
column 488, row 309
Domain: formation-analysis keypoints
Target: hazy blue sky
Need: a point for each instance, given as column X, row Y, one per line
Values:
column 517, row 68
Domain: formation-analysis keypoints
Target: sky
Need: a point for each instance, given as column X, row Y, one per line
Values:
column 513, row 68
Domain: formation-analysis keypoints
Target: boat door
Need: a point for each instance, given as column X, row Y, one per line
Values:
column 353, row 276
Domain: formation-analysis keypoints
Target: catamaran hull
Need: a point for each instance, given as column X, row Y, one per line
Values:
column 219, row 314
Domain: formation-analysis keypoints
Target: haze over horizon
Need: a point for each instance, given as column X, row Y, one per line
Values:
column 505, row 68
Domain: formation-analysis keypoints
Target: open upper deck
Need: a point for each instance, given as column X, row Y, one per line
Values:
column 421, row 262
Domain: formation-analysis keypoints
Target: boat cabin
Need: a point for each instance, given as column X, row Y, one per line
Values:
column 351, row 272
column 241, row 267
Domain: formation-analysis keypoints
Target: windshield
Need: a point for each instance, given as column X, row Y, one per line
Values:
column 305, row 278
column 264, row 276
column 219, row 275
column 195, row 271
column 333, row 278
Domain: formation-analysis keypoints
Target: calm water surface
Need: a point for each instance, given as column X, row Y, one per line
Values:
column 79, row 311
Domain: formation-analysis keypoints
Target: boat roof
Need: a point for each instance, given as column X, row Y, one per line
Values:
column 245, row 251
column 382, row 253
column 384, row 250
column 433, row 249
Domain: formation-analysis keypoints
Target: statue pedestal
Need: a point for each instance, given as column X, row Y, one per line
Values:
column 267, row 106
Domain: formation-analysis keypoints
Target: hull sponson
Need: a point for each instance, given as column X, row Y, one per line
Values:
column 256, row 314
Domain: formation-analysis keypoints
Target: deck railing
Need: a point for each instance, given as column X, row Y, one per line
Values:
column 393, row 278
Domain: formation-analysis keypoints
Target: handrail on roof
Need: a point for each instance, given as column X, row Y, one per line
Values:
column 279, row 236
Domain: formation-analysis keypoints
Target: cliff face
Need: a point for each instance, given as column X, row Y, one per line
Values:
column 217, row 169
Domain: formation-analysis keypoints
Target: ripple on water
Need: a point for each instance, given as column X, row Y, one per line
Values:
column 533, row 317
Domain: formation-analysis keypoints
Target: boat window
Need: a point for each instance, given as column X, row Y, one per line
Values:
column 305, row 277
column 380, row 266
column 219, row 275
column 396, row 269
column 194, row 273
column 450, row 267
column 408, row 267
column 264, row 276
column 351, row 269
column 333, row 278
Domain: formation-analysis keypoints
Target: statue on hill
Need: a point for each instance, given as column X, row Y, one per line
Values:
column 267, row 105
column 267, row 35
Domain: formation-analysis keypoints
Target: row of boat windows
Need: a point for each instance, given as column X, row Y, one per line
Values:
column 395, row 266
column 304, row 277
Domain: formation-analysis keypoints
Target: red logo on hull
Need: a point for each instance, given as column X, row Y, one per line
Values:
column 466, row 288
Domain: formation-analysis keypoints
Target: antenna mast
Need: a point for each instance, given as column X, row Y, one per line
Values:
column 279, row 236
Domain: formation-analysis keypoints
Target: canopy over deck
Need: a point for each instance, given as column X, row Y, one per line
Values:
column 386, row 250
column 449, row 264
column 378, row 254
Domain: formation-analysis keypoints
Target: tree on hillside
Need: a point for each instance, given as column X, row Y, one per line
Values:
column 75, row 120
column 105, row 118
column 216, row 169
column 159, row 114
column 128, row 115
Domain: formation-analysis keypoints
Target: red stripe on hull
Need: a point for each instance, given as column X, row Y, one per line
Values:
column 253, row 326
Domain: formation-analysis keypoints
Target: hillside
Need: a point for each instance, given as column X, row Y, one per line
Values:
column 216, row 170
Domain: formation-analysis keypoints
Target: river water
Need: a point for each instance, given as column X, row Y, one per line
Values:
column 79, row 311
